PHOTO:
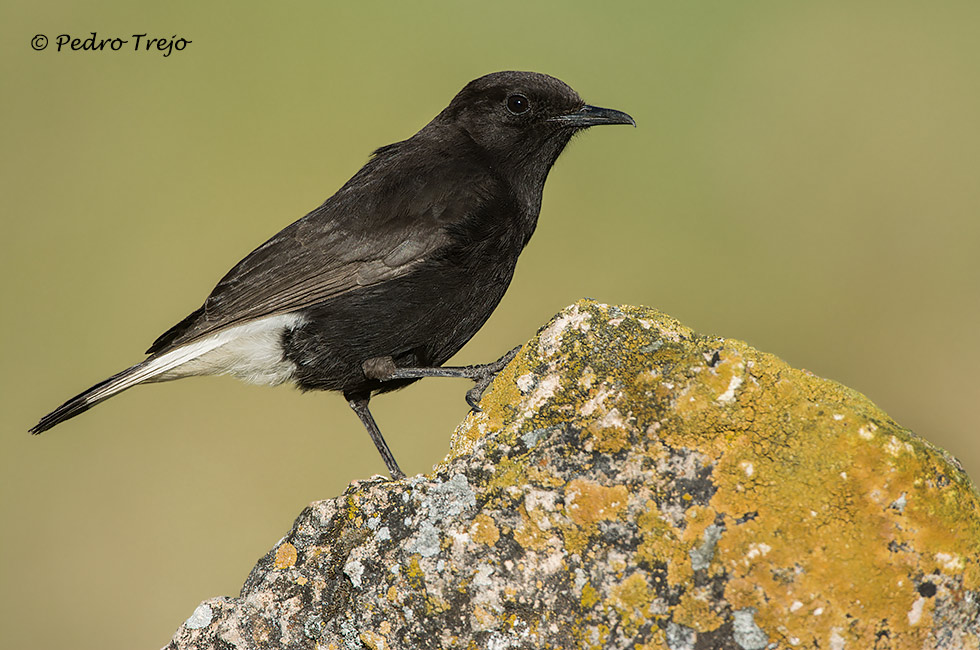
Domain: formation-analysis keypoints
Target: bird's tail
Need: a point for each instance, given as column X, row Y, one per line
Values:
column 154, row 368
column 89, row 398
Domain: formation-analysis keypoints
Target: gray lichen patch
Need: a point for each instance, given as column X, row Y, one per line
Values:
column 200, row 618
column 747, row 634
column 701, row 556
column 449, row 499
column 630, row 483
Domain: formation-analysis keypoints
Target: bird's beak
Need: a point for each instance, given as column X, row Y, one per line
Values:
column 591, row 116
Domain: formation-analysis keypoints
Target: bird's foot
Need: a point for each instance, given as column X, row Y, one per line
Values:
column 486, row 374
column 384, row 369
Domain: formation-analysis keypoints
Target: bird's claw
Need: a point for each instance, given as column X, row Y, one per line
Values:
column 487, row 373
column 474, row 395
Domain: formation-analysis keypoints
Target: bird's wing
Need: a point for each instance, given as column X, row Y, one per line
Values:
column 376, row 228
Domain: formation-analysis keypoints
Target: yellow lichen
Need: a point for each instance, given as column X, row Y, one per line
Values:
column 374, row 641
column 285, row 556
column 511, row 472
column 530, row 533
column 435, row 605
column 695, row 612
column 352, row 509
column 658, row 538
column 609, row 436
column 576, row 539
column 414, row 574
column 589, row 596
column 484, row 530
column 484, row 618
column 631, row 598
column 587, row 503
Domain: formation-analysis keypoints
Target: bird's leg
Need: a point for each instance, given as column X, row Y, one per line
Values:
column 384, row 368
column 359, row 402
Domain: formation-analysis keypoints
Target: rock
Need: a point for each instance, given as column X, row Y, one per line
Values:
column 632, row 484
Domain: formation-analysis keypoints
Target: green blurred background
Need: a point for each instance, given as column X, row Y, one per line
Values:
column 805, row 177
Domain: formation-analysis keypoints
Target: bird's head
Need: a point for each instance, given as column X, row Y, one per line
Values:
column 523, row 120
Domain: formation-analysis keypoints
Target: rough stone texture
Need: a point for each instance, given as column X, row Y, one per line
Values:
column 633, row 484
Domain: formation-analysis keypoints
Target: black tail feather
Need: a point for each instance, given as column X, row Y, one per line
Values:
column 66, row 411
column 81, row 402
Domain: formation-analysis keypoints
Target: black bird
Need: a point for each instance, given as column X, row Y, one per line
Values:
column 394, row 273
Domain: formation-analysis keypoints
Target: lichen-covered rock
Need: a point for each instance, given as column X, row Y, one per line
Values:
column 632, row 484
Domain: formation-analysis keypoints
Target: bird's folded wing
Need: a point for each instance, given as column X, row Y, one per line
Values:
column 309, row 262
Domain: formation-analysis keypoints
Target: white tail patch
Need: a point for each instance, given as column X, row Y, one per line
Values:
column 251, row 352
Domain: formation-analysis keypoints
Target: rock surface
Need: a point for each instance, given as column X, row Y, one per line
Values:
column 633, row 484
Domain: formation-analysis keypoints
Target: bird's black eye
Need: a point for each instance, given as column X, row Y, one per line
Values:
column 518, row 104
